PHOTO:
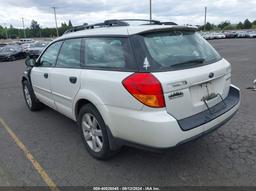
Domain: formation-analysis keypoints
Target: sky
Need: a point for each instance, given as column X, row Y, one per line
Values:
column 92, row 11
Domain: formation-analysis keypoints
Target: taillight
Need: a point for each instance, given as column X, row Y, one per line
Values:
column 146, row 88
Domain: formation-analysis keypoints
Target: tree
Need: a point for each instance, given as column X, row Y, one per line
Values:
column 13, row 32
column 230, row 27
column 34, row 25
column 254, row 22
column 70, row 24
column 240, row 25
column 247, row 24
column 64, row 25
column 35, row 28
column 224, row 24
column 208, row 26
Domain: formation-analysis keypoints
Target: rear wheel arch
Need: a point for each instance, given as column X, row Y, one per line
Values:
column 113, row 144
column 85, row 97
column 79, row 104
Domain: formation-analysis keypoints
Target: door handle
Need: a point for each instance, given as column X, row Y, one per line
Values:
column 46, row 75
column 72, row 79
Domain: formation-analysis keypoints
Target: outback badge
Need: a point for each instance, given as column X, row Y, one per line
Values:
column 176, row 95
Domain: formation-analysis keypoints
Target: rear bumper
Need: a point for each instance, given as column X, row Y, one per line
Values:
column 159, row 130
column 204, row 117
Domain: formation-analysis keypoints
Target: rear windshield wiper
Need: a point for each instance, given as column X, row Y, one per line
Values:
column 189, row 62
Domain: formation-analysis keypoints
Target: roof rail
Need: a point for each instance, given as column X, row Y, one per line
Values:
column 76, row 28
column 144, row 20
column 168, row 23
column 150, row 22
column 107, row 23
column 116, row 23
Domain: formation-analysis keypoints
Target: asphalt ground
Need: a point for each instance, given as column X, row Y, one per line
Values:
column 226, row 157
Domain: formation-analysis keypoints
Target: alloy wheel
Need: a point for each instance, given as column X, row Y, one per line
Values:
column 92, row 132
column 27, row 96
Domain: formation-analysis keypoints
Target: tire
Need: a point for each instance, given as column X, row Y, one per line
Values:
column 94, row 132
column 32, row 102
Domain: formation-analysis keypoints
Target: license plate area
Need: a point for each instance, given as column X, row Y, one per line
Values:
column 206, row 95
column 200, row 91
column 213, row 96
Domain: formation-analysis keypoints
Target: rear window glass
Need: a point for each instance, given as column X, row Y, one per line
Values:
column 112, row 53
column 178, row 50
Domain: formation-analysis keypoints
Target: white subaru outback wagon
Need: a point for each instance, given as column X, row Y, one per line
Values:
column 155, row 85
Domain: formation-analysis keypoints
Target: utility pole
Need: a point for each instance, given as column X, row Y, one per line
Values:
column 150, row 10
column 6, row 33
column 205, row 14
column 54, row 10
column 24, row 28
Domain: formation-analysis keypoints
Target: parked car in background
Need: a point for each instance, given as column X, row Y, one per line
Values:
column 213, row 35
column 25, row 46
column 242, row 34
column 230, row 34
column 218, row 35
column 2, row 44
column 207, row 35
column 26, row 40
column 11, row 53
column 35, row 49
column 252, row 34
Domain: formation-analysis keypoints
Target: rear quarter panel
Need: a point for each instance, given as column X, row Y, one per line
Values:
column 105, row 89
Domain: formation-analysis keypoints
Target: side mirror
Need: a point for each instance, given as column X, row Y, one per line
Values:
column 31, row 62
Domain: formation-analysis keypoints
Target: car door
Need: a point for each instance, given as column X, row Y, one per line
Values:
column 65, row 76
column 41, row 75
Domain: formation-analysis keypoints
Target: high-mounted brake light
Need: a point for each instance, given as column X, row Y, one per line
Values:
column 146, row 88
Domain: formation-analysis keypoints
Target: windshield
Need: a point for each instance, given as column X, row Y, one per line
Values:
column 179, row 49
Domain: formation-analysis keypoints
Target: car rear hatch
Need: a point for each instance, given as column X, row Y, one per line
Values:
column 194, row 77
column 191, row 91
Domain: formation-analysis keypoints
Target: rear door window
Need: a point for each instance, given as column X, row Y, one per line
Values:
column 69, row 56
column 109, row 53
